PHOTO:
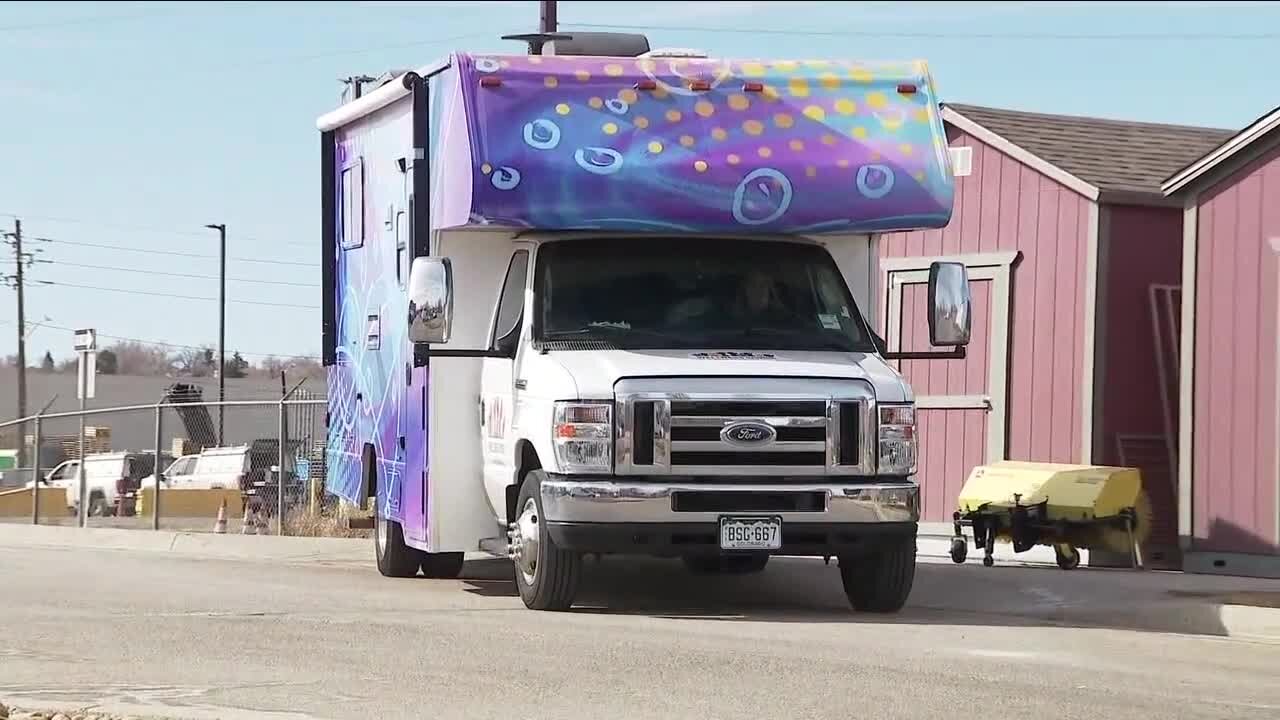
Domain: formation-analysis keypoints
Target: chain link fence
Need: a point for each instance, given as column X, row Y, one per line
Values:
column 183, row 463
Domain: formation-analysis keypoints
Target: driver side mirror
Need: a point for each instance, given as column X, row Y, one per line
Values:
column 430, row 300
column 950, row 305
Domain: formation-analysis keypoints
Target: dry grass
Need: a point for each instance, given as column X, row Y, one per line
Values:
column 301, row 524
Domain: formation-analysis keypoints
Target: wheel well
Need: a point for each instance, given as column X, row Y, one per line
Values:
column 528, row 461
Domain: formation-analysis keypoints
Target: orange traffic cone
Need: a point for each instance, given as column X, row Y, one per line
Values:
column 220, row 525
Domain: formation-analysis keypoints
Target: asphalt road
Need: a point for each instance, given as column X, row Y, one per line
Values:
column 164, row 634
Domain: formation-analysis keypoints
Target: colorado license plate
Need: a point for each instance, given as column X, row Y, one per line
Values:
column 750, row 533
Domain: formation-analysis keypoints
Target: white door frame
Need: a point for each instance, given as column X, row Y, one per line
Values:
column 994, row 267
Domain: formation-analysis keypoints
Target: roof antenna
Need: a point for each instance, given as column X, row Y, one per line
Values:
column 547, row 27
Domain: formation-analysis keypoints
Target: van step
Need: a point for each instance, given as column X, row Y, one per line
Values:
column 360, row 523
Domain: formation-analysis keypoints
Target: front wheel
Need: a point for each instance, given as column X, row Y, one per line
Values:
column 546, row 576
column 881, row 581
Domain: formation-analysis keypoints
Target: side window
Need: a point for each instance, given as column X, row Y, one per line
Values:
column 402, row 248
column 352, row 183
column 506, row 328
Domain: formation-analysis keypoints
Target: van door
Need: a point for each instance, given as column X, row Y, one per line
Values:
column 497, row 384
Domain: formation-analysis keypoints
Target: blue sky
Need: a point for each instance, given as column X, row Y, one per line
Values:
column 138, row 123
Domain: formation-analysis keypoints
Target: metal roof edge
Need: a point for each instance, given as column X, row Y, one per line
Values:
column 1240, row 141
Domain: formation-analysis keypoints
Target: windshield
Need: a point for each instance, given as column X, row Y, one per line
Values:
column 681, row 293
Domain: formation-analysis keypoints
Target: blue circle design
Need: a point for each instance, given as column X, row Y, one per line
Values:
column 773, row 193
column 875, row 181
column 617, row 106
column 599, row 160
column 541, row 134
column 505, row 178
column 487, row 65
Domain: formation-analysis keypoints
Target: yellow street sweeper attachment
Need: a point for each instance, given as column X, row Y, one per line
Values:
column 1065, row 506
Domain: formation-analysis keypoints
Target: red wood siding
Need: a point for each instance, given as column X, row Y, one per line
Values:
column 1143, row 248
column 952, row 441
column 1005, row 205
column 1235, row 435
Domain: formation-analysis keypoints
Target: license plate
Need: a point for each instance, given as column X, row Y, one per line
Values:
column 750, row 533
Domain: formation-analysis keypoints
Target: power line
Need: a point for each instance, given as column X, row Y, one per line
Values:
column 58, row 283
column 342, row 53
column 957, row 35
column 176, row 346
column 175, row 253
column 168, row 273
column 147, row 228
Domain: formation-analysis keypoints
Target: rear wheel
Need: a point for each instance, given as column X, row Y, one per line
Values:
column 395, row 558
column 880, row 582
column 546, row 576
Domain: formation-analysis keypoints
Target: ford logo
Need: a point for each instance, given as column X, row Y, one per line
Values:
column 748, row 433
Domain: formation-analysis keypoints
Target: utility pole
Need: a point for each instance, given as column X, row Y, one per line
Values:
column 16, row 280
column 222, row 321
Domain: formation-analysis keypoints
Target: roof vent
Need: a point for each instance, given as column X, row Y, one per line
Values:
column 597, row 44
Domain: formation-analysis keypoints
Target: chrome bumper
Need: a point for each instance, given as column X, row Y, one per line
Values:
column 603, row 501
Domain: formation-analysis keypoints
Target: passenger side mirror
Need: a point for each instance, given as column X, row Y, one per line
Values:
column 430, row 300
column 950, row 305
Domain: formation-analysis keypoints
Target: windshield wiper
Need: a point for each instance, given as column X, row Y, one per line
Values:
column 614, row 331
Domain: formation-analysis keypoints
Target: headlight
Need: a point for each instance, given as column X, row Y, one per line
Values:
column 897, row 439
column 582, row 434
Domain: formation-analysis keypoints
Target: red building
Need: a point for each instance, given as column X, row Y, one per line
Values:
column 1229, row 449
column 1075, row 255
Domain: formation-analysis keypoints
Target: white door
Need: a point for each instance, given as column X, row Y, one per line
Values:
column 497, row 383
column 961, row 405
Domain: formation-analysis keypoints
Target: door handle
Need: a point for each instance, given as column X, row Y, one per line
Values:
column 481, row 412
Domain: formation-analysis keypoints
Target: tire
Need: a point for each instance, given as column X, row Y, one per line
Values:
column 548, row 580
column 394, row 557
column 959, row 550
column 442, row 566
column 880, row 582
column 1067, row 560
column 725, row 564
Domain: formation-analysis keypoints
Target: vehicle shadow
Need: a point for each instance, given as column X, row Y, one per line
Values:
column 803, row 590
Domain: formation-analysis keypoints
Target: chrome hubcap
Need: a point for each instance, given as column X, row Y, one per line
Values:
column 524, row 542
column 380, row 533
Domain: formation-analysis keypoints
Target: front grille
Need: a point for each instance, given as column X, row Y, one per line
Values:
column 683, row 434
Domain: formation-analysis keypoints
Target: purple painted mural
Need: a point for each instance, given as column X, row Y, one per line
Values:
column 703, row 145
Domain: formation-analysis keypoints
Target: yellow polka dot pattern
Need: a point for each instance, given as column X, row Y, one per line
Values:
column 610, row 128
column 739, row 102
column 628, row 96
column 700, row 165
column 596, row 103
column 687, row 140
column 551, row 81
column 704, row 108
column 655, row 147
column 753, row 127
column 783, row 120
column 562, row 109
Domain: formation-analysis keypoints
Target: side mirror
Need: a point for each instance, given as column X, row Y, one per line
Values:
column 430, row 300
column 950, row 305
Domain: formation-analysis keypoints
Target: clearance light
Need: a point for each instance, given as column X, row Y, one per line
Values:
column 753, row 87
column 907, row 89
column 490, row 81
column 700, row 85
column 647, row 85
